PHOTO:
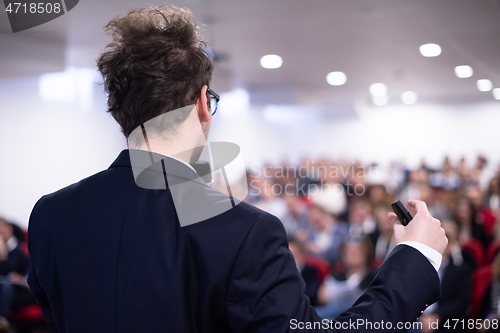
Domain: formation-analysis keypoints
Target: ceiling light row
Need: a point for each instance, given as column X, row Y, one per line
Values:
column 465, row 72
column 462, row 71
column 271, row 61
column 430, row 50
column 380, row 97
column 379, row 90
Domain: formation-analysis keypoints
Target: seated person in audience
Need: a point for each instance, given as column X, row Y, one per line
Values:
column 309, row 273
column 361, row 220
column 465, row 214
column 477, row 174
column 295, row 221
column 447, row 178
column 490, row 304
column 14, row 292
column 327, row 234
column 341, row 290
column 493, row 194
column 378, row 195
column 329, row 198
column 496, row 235
column 455, row 273
column 492, row 200
column 431, row 197
column 410, row 189
column 382, row 238
column 269, row 198
column 485, row 215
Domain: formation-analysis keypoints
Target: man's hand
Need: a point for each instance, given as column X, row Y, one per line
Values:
column 423, row 228
column 429, row 322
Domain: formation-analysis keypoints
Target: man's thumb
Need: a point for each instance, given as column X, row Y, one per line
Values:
column 394, row 219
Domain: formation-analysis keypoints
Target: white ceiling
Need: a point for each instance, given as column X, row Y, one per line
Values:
column 370, row 40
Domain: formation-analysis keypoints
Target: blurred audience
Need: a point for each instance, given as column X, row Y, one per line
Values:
column 433, row 197
column 447, row 178
column 327, row 234
column 270, row 199
column 377, row 195
column 410, row 188
column 314, row 203
column 382, row 238
column 361, row 220
column 485, row 215
column 296, row 220
column 492, row 198
column 341, row 289
column 466, row 214
column 14, row 292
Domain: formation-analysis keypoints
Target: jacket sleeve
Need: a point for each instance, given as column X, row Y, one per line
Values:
column 41, row 297
column 33, row 279
column 267, row 294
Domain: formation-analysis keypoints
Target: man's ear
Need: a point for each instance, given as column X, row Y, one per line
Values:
column 202, row 106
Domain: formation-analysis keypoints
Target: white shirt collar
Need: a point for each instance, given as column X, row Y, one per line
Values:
column 183, row 162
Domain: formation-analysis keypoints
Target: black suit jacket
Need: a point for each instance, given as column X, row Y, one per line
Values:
column 310, row 275
column 456, row 286
column 110, row 256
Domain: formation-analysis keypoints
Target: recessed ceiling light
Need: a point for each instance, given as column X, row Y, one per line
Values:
column 336, row 78
column 496, row 94
column 271, row 61
column 430, row 50
column 484, row 85
column 378, row 89
column 464, row 71
column 380, row 100
column 409, row 97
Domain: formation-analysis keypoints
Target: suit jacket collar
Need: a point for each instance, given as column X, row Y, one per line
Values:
column 155, row 164
column 194, row 200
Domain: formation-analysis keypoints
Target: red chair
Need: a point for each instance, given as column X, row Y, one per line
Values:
column 31, row 313
column 492, row 250
column 476, row 249
column 24, row 244
column 28, row 319
column 378, row 262
column 337, row 267
column 488, row 219
column 481, row 280
column 320, row 264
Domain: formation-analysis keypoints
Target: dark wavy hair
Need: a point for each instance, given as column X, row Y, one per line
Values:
column 156, row 63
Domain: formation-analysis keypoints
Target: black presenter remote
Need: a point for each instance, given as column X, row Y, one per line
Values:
column 402, row 212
